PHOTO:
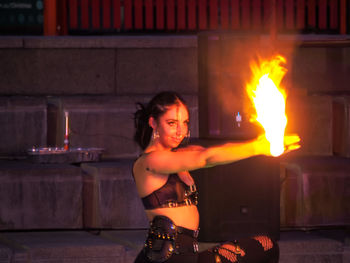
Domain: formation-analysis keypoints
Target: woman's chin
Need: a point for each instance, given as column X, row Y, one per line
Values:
column 175, row 144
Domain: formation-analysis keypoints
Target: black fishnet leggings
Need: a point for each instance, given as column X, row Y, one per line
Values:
column 258, row 249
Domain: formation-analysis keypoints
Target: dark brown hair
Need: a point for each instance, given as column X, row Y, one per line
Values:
column 155, row 108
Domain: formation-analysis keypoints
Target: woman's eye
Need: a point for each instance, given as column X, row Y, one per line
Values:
column 171, row 123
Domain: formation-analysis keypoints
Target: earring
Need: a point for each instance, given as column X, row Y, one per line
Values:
column 155, row 135
column 188, row 135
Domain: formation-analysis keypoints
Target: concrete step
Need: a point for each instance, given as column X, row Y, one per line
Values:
column 132, row 240
column 315, row 246
column 59, row 246
column 124, row 245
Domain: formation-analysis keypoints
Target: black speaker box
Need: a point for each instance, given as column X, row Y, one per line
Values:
column 223, row 71
column 240, row 199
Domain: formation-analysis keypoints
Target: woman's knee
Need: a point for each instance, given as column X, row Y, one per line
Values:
column 256, row 249
column 270, row 247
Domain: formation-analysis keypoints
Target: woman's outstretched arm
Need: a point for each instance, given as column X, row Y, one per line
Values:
column 192, row 158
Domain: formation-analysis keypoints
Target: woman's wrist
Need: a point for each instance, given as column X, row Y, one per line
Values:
column 261, row 146
column 256, row 148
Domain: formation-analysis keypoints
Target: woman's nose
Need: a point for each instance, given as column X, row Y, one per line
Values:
column 178, row 130
column 181, row 130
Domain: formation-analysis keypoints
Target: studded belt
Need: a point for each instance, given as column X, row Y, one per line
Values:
column 188, row 232
column 165, row 239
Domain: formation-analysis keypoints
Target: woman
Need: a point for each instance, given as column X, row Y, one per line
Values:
column 168, row 191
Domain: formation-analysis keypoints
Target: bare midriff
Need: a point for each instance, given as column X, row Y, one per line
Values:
column 185, row 216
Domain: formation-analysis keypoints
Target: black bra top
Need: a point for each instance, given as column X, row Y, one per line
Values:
column 172, row 194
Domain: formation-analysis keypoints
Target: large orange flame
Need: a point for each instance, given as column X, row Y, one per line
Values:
column 269, row 100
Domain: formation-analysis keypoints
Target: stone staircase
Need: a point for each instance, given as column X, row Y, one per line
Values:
column 123, row 245
column 47, row 210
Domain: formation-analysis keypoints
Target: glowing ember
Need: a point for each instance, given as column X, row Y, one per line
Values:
column 269, row 100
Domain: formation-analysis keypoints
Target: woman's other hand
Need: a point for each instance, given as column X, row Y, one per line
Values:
column 291, row 143
column 186, row 177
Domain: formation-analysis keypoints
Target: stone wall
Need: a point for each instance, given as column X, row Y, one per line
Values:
column 314, row 192
column 98, row 80
column 23, row 124
column 40, row 196
column 103, row 121
column 110, row 197
column 317, row 75
column 97, row 65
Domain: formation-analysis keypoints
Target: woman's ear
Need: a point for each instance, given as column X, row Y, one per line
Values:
column 152, row 123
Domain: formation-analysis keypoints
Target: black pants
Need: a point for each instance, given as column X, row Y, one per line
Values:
column 258, row 249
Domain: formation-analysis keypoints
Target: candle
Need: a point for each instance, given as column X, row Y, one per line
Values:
column 66, row 141
column 66, row 115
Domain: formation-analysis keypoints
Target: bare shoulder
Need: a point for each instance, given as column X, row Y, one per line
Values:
column 146, row 180
column 164, row 162
column 140, row 174
column 142, row 164
column 139, row 164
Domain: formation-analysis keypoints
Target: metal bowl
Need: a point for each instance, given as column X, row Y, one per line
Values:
column 60, row 155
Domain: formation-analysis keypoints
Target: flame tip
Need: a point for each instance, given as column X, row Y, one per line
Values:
column 268, row 97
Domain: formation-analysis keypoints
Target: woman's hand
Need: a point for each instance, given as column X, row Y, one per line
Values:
column 262, row 145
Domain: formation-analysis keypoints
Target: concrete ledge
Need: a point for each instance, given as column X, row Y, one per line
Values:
column 104, row 121
column 40, row 196
column 110, row 196
column 99, row 121
column 11, row 42
column 95, row 121
column 151, row 41
column 146, row 41
column 23, row 124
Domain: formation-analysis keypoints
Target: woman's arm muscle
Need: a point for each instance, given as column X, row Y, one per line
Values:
column 190, row 158
column 167, row 162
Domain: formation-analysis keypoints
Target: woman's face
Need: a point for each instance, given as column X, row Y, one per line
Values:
column 172, row 126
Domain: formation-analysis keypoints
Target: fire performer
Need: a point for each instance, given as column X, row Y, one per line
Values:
column 168, row 191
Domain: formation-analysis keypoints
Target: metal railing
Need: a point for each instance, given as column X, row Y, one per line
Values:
column 114, row 16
